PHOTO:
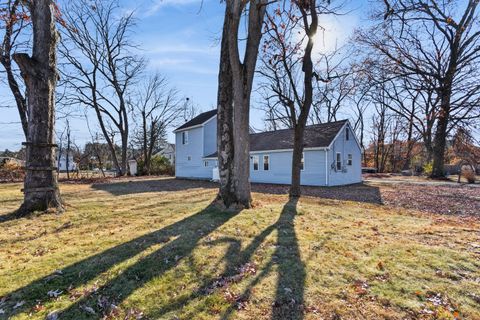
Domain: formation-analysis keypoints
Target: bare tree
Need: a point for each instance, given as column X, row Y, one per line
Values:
column 435, row 40
column 156, row 108
column 102, row 67
column 236, row 75
column 14, row 22
column 39, row 72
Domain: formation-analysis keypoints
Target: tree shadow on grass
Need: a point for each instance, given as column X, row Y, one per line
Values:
column 153, row 185
column 290, row 286
column 178, row 240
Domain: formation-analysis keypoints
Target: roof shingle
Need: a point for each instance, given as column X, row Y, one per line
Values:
column 316, row 136
column 198, row 120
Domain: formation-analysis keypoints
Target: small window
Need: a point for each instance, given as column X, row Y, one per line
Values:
column 266, row 163
column 189, row 158
column 205, row 163
column 302, row 162
column 349, row 159
column 255, row 163
column 185, row 137
column 339, row 161
column 347, row 134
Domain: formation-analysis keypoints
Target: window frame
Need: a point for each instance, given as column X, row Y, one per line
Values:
column 338, row 160
column 184, row 137
column 205, row 163
column 257, row 158
column 266, row 156
column 302, row 162
column 349, row 159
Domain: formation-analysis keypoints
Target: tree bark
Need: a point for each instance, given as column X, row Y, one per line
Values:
column 440, row 139
column 242, row 79
column 307, row 68
column 40, row 75
column 225, row 122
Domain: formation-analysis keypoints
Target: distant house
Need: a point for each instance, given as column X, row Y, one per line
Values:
column 62, row 162
column 331, row 157
column 168, row 151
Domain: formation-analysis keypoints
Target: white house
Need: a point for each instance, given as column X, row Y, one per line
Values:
column 331, row 157
column 168, row 151
column 62, row 162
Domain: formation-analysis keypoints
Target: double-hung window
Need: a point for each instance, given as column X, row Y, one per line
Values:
column 266, row 163
column 255, row 162
column 339, row 161
column 302, row 162
column 349, row 159
column 185, row 137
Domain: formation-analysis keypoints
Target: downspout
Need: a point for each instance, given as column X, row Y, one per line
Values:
column 326, row 167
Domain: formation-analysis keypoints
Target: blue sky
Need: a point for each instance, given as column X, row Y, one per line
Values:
column 181, row 40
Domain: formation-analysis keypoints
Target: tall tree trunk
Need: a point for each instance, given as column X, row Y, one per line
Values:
column 40, row 75
column 225, row 122
column 242, row 80
column 440, row 139
column 307, row 68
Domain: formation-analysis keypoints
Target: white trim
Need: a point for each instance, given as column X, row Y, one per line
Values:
column 197, row 125
column 253, row 163
column 352, row 134
column 336, row 161
column 263, row 162
column 210, row 158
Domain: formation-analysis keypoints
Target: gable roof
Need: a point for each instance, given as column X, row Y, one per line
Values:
column 316, row 136
column 198, row 120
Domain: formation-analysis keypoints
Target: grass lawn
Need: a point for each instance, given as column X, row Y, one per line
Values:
column 159, row 249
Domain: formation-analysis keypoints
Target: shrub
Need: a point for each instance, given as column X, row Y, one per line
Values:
column 469, row 175
column 159, row 165
column 428, row 168
column 11, row 171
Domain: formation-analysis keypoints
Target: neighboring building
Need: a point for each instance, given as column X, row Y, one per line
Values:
column 62, row 162
column 168, row 151
column 331, row 157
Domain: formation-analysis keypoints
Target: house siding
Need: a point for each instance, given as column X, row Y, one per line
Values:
column 280, row 171
column 353, row 173
column 210, row 137
column 195, row 167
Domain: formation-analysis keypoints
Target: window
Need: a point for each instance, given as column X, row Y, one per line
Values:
column 205, row 163
column 347, row 134
column 349, row 159
column 339, row 161
column 185, row 137
column 302, row 162
column 189, row 158
column 266, row 163
column 255, row 162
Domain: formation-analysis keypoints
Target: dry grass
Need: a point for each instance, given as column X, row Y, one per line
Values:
column 159, row 249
